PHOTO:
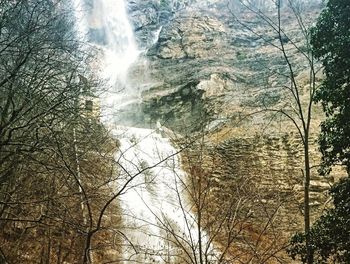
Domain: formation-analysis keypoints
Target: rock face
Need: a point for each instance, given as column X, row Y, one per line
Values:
column 275, row 163
column 264, row 173
column 183, row 60
column 229, row 67
column 203, row 39
column 202, row 51
column 149, row 16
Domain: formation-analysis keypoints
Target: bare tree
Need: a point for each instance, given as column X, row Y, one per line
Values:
column 41, row 62
column 213, row 218
column 298, row 96
column 233, row 221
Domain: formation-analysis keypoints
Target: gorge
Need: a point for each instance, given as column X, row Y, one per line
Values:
column 167, row 131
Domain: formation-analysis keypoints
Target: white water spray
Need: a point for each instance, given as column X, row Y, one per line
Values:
column 120, row 46
column 105, row 24
column 156, row 35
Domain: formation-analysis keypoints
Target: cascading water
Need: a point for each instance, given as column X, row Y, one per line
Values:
column 160, row 227
column 157, row 222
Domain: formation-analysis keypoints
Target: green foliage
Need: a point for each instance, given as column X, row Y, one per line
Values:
column 331, row 43
column 330, row 235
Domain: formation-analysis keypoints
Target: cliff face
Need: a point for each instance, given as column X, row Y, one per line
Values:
column 149, row 16
column 203, row 62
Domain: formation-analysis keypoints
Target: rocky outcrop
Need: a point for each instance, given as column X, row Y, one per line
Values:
column 275, row 163
column 228, row 64
column 190, row 37
column 149, row 16
column 183, row 60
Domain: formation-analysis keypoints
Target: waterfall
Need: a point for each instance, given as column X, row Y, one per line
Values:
column 157, row 222
column 119, row 44
column 160, row 225
column 156, row 35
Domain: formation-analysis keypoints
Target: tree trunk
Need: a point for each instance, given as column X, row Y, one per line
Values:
column 309, row 255
column 88, row 257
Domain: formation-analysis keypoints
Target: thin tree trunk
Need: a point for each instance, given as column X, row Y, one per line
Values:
column 200, row 238
column 309, row 255
column 87, row 259
column 199, row 217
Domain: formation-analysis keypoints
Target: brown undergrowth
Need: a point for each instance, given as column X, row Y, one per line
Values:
column 244, row 214
column 56, row 195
